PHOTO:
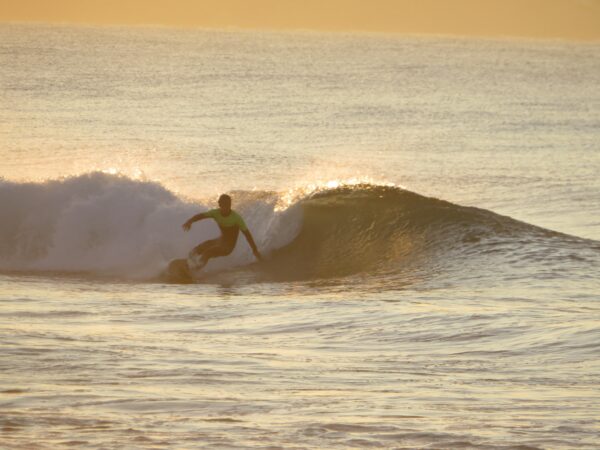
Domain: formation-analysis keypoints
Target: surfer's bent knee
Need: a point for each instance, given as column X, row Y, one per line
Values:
column 219, row 250
column 203, row 247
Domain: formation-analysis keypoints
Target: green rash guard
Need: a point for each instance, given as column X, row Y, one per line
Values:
column 230, row 225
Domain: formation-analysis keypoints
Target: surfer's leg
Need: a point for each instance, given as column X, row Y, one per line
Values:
column 213, row 251
column 214, row 248
column 217, row 250
column 197, row 259
column 200, row 249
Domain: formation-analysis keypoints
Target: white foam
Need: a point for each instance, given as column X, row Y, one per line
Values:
column 110, row 224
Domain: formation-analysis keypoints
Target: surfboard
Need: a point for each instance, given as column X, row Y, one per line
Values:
column 178, row 271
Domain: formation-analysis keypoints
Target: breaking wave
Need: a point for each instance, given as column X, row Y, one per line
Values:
column 111, row 225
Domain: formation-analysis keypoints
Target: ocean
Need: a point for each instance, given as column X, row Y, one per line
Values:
column 428, row 208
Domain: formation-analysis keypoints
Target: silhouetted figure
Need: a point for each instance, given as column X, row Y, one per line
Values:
column 230, row 223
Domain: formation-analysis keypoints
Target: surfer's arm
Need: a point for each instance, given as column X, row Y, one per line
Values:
column 186, row 226
column 252, row 244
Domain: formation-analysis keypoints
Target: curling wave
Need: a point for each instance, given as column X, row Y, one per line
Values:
column 392, row 232
column 105, row 224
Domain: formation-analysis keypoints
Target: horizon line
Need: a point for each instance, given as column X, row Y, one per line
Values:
column 299, row 30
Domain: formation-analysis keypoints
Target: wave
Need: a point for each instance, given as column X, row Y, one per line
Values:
column 400, row 235
column 106, row 224
column 111, row 225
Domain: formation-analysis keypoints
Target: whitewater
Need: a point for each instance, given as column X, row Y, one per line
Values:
column 427, row 207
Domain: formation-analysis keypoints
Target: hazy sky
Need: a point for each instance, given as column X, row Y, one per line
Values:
column 571, row 19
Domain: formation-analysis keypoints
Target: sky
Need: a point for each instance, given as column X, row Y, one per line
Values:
column 564, row 19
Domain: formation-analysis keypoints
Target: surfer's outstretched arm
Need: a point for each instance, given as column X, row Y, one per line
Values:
column 187, row 225
column 250, row 240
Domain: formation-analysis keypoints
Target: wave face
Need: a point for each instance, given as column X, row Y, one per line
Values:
column 112, row 225
column 400, row 236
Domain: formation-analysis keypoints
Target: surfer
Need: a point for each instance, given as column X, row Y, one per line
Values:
column 230, row 223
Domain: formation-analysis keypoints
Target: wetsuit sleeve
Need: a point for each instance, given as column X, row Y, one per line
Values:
column 211, row 213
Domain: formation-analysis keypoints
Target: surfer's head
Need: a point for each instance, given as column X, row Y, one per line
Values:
column 225, row 204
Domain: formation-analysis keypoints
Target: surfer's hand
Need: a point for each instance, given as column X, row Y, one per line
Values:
column 186, row 226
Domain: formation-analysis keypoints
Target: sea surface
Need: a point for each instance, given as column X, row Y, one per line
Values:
column 428, row 208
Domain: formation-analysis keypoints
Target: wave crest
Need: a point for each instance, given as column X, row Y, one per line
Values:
column 109, row 224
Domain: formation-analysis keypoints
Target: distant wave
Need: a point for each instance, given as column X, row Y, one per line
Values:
column 111, row 225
